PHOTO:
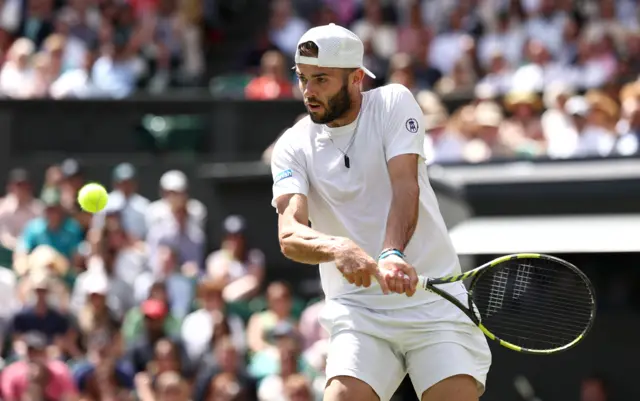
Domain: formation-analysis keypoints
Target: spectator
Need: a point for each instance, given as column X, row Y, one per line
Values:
column 174, row 187
column 629, row 128
column 42, row 317
column 310, row 328
column 522, row 132
column 200, row 328
column 261, row 324
column 171, row 387
column 104, row 375
column 285, row 28
column 383, row 36
column 182, row 236
column 151, row 320
column 179, row 287
column 224, row 359
column 123, row 259
column 37, row 377
column 17, row 208
column 238, row 266
column 125, row 200
column 273, row 83
column 55, row 229
column 116, row 71
column 95, row 315
column 16, row 74
column 556, row 122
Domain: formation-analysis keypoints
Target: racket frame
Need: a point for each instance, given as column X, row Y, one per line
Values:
column 430, row 285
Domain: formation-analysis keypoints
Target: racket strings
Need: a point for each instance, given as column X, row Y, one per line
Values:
column 534, row 303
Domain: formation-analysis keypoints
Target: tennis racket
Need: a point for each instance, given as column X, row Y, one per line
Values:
column 530, row 303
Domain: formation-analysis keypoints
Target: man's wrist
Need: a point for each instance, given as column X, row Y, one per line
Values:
column 391, row 252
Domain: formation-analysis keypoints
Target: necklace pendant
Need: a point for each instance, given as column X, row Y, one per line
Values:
column 347, row 162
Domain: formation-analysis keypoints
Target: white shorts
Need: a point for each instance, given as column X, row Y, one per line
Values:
column 430, row 342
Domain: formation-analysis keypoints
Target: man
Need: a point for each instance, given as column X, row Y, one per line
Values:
column 174, row 188
column 17, row 208
column 125, row 200
column 355, row 168
column 55, row 229
column 37, row 377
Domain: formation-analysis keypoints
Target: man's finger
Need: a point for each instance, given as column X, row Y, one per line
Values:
column 381, row 281
column 349, row 277
column 413, row 278
column 357, row 280
column 366, row 281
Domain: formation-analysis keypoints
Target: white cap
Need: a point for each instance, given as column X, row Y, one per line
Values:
column 577, row 105
column 174, row 180
column 338, row 48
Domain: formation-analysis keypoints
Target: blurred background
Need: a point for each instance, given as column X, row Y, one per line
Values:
column 179, row 291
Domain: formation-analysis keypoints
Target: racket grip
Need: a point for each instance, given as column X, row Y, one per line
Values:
column 422, row 282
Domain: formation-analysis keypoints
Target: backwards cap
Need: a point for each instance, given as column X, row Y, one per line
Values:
column 338, row 47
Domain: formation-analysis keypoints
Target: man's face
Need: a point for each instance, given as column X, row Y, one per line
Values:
column 325, row 91
column 54, row 215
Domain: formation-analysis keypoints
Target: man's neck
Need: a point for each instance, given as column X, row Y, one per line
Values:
column 351, row 115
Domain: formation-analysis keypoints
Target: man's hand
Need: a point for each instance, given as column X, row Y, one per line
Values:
column 399, row 276
column 358, row 267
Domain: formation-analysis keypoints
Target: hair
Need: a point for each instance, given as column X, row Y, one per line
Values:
column 279, row 287
column 308, row 49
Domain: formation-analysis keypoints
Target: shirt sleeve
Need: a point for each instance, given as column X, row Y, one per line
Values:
column 288, row 170
column 404, row 133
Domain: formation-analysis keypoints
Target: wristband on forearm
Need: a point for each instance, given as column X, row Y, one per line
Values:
column 391, row 251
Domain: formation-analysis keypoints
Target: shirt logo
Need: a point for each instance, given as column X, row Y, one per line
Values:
column 411, row 125
column 282, row 175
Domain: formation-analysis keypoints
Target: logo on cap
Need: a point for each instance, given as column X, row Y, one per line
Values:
column 412, row 125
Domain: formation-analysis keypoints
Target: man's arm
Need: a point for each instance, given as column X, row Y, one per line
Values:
column 403, row 214
column 298, row 241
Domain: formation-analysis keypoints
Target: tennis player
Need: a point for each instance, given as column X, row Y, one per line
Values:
column 355, row 169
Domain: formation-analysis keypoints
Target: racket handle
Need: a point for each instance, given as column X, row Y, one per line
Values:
column 422, row 282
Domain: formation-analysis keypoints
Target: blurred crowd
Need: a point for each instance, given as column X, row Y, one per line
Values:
column 495, row 78
column 128, row 305
column 98, row 48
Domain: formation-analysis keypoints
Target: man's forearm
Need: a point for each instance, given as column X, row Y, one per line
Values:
column 306, row 245
column 403, row 215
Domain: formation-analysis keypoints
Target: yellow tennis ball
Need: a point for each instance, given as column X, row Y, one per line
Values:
column 93, row 198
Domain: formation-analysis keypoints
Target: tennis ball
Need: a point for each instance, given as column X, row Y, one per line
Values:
column 93, row 198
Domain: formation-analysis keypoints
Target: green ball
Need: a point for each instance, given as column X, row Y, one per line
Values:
column 93, row 198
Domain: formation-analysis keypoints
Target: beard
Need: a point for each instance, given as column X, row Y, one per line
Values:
column 336, row 107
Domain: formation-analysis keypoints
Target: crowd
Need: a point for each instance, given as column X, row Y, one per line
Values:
column 547, row 78
column 126, row 304
column 98, row 48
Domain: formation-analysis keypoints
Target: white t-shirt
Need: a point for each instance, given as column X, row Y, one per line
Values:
column 354, row 202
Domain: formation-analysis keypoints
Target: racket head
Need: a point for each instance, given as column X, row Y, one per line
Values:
column 533, row 303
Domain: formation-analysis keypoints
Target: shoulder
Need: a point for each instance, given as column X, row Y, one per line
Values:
column 35, row 226
column 59, row 367
column 72, row 225
column 294, row 135
column 391, row 95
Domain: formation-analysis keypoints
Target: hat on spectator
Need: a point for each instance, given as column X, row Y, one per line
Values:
column 234, row 224
column 555, row 90
column 18, row 175
column 71, row 168
column 577, row 106
column 45, row 257
column 515, row 98
column 51, row 197
column 338, row 47
column 96, row 283
column 154, row 309
column 602, row 102
column 40, row 279
column 124, row 172
column 174, row 180
column 488, row 114
column 35, row 340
